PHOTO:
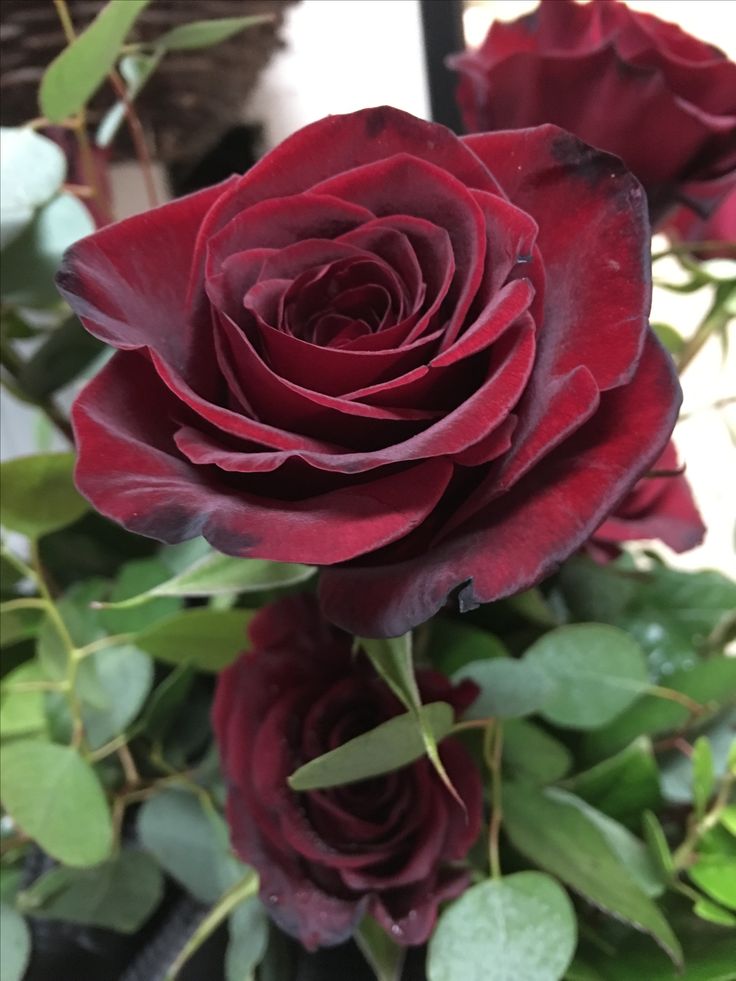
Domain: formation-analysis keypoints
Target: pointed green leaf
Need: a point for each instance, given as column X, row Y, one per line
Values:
column 221, row 575
column 657, row 844
column 76, row 74
column 716, row 875
column 391, row 745
column 714, row 913
column 703, row 774
column 205, row 33
column 623, row 785
column 384, row 955
column 561, row 839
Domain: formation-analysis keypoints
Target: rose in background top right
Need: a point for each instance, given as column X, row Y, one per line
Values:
column 624, row 81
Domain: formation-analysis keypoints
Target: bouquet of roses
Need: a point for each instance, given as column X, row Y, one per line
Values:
column 323, row 651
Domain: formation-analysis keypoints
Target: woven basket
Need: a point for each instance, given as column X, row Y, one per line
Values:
column 191, row 100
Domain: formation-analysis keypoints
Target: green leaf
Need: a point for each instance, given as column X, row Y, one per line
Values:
column 207, row 639
column 56, row 798
column 633, row 853
column 165, row 700
column 561, row 839
column 247, row 939
column 532, row 754
column 15, row 949
column 711, row 681
column 385, row 957
column 32, row 170
column 205, row 33
column 63, row 356
column 134, row 576
column 117, row 895
column 728, row 818
column 716, row 875
column 453, row 644
column 532, row 606
column 669, row 337
column 22, row 712
column 32, row 260
column 657, row 844
column 714, row 913
column 521, row 927
column 622, row 786
column 595, row 592
column 39, row 495
column 392, row 659
column 598, row 671
column 189, row 842
column 221, row 575
column 389, row 746
column 76, row 74
column 508, row 688
column 124, row 675
column 703, row 774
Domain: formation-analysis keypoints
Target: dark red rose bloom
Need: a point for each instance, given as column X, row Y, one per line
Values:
column 325, row 858
column 685, row 226
column 421, row 361
column 658, row 507
column 623, row 81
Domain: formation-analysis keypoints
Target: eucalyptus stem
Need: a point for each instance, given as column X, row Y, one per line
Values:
column 138, row 137
column 683, row 855
column 241, row 891
column 114, row 640
column 493, row 751
column 714, row 321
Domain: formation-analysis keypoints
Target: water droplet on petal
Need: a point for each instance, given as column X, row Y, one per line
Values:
column 274, row 899
column 396, row 930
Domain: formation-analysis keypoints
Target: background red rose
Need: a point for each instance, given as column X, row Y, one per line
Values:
column 720, row 227
column 420, row 361
column 657, row 507
column 624, row 81
column 327, row 857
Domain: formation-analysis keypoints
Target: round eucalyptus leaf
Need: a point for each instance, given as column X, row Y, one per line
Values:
column 519, row 928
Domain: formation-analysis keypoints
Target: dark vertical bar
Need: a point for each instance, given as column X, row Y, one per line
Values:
column 442, row 21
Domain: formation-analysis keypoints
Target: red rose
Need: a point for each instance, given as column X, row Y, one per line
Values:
column 657, row 507
column 421, row 361
column 720, row 227
column 623, row 81
column 327, row 857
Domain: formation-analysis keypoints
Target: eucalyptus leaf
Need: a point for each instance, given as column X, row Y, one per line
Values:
column 56, row 798
column 22, row 712
column 247, row 939
column 521, row 927
column 597, row 671
column 206, row 639
column 118, row 895
column 453, row 644
column 221, row 575
column 561, row 839
column 125, row 675
column 32, row 170
column 531, row 754
column 389, row 746
column 141, row 573
column 32, row 260
column 703, row 774
column 623, row 785
column 15, row 949
column 716, row 876
column 39, row 495
column 76, row 74
column 508, row 688
column 189, row 842
column 205, row 33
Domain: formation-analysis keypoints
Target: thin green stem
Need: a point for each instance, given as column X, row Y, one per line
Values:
column 114, row 640
column 13, row 365
column 241, row 891
column 31, row 603
column 714, row 322
column 493, row 751
column 683, row 855
column 670, row 695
